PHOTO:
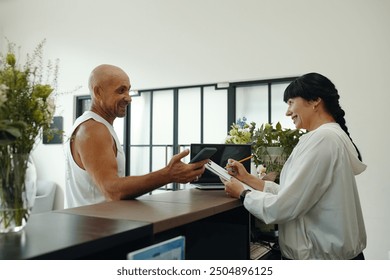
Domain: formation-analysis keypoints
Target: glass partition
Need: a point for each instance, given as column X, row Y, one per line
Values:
column 252, row 103
column 215, row 115
column 140, row 119
column 189, row 117
column 279, row 107
column 139, row 160
column 162, row 120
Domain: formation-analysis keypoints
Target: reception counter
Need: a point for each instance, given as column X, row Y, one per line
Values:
column 54, row 235
column 215, row 226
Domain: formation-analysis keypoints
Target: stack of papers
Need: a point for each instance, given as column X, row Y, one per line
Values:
column 222, row 172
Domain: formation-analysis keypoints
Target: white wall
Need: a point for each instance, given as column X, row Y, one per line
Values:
column 178, row 42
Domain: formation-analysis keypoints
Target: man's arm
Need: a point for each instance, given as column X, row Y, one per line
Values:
column 95, row 148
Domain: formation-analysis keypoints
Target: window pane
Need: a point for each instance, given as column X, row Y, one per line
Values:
column 140, row 119
column 163, row 117
column 252, row 103
column 278, row 113
column 139, row 160
column 161, row 157
column 86, row 104
column 189, row 116
column 215, row 115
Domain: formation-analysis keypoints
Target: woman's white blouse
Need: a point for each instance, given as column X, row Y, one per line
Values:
column 316, row 205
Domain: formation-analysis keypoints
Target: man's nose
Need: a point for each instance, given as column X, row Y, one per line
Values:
column 128, row 98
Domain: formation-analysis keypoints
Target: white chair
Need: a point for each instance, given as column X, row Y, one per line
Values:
column 44, row 200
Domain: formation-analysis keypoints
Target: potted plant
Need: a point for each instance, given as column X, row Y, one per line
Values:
column 271, row 145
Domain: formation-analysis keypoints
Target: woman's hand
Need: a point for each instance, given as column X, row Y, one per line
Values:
column 237, row 170
column 233, row 187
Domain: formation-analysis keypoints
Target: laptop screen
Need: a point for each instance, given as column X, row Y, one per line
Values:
column 224, row 152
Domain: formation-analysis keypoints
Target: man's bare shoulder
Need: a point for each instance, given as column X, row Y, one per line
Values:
column 92, row 129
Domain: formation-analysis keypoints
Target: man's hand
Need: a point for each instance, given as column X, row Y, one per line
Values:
column 180, row 172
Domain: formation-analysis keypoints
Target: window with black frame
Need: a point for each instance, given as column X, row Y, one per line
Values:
column 83, row 103
column 162, row 122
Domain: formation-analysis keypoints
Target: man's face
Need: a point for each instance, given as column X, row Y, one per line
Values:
column 115, row 95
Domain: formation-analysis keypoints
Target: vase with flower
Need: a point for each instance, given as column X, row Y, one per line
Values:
column 26, row 112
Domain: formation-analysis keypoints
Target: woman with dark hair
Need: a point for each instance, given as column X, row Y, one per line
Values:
column 316, row 204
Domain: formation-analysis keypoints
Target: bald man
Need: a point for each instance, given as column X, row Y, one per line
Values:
column 95, row 158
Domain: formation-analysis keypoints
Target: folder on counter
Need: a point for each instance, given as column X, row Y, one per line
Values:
column 222, row 172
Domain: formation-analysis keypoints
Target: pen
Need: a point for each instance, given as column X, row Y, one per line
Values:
column 245, row 159
column 242, row 160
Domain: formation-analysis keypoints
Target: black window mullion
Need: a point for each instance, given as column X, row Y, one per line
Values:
column 231, row 104
column 269, row 102
column 201, row 114
column 127, row 140
column 175, row 121
column 175, row 148
column 151, row 133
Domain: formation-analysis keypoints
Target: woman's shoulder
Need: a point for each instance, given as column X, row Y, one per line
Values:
column 328, row 130
column 326, row 134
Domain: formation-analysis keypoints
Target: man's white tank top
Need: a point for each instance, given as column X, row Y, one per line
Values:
column 80, row 188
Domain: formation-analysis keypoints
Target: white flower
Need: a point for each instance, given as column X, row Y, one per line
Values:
column 50, row 108
column 3, row 94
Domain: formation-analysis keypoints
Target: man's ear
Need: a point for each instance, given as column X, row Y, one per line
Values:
column 97, row 92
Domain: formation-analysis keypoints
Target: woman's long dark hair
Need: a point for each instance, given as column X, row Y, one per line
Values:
column 312, row 86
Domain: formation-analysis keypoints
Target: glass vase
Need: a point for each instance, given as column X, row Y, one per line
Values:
column 17, row 192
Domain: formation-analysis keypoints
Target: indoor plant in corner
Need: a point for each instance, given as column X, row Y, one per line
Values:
column 271, row 145
column 26, row 112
